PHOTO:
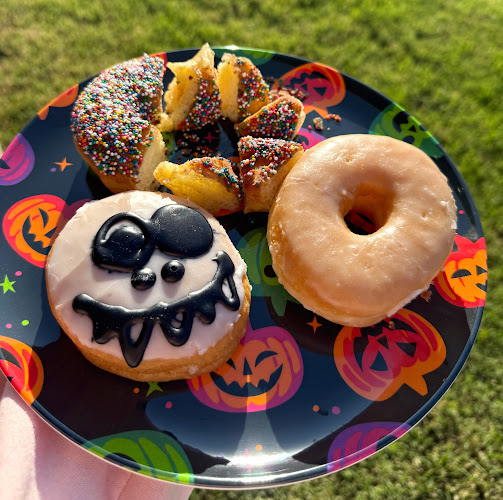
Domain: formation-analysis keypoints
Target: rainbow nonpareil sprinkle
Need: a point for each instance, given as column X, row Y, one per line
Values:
column 251, row 87
column 223, row 168
column 261, row 158
column 276, row 120
column 206, row 106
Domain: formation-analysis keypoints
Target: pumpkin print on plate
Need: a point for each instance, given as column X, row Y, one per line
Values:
column 65, row 99
column 31, row 225
column 395, row 122
column 323, row 85
column 17, row 161
column 265, row 371
column 254, row 250
column 463, row 282
column 376, row 361
column 360, row 441
column 22, row 367
column 152, row 453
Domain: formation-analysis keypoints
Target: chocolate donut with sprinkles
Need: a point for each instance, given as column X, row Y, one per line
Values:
column 113, row 124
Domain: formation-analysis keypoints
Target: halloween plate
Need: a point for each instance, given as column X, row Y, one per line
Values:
column 301, row 397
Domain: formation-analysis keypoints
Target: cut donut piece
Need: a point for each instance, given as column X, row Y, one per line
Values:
column 242, row 87
column 280, row 119
column 193, row 98
column 209, row 182
column 264, row 165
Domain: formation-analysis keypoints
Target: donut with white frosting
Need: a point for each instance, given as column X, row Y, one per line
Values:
column 148, row 286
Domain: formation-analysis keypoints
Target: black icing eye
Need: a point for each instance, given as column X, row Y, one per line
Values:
column 143, row 279
column 182, row 231
column 172, row 271
column 123, row 243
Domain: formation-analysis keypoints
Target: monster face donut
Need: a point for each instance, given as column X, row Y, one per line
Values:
column 360, row 279
column 148, row 286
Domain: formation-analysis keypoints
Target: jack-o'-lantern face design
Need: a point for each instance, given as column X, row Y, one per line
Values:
column 264, row 372
column 323, row 85
column 376, row 361
column 31, row 225
column 126, row 244
column 463, row 282
column 395, row 122
column 22, row 367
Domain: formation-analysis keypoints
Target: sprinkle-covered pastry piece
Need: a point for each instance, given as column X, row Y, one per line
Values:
column 112, row 122
column 114, row 112
column 264, row 165
column 209, row 182
column 193, row 98
column 280, row 119
column 242, row 87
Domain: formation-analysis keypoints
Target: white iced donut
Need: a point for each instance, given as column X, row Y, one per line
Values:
column 360, row 279
column 148, row 286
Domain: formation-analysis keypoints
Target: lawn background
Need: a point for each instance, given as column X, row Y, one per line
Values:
column 442, row 61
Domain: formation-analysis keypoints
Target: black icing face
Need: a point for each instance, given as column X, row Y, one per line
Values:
column 125, row 243
column 174, row 229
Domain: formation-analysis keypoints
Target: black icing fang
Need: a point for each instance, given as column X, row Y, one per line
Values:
column 175, row 319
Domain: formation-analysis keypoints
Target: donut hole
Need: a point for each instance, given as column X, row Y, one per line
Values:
column 368, row 210
column 359, row 222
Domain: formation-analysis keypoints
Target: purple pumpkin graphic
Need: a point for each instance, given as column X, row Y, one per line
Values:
column 360, row 441
column 17, row 162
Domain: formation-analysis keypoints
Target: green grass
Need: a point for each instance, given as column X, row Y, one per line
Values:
column 442, row 61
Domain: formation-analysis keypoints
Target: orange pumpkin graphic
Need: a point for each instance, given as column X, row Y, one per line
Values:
column 265, row 371
column 376, row 361
column 63, row 100
column 22, row 367
column 463, row 281
column 31, row 225
column 324, row 85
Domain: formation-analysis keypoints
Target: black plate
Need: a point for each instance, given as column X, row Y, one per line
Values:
column 302, row 397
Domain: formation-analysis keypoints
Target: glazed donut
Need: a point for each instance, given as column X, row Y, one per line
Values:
column 360, row 279
column 113, row 124
column 148, row 286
